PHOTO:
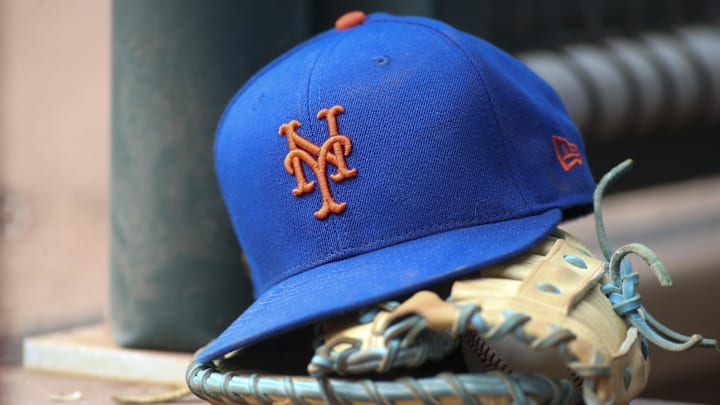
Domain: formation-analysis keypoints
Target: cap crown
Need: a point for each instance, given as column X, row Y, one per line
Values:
column 407, row 127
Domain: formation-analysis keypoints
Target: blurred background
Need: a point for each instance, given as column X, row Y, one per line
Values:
column 109, row 208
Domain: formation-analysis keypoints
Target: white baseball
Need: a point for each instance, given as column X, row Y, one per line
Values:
column 510, row 355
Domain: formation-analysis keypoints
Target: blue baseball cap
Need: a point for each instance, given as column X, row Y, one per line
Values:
column 381, row 157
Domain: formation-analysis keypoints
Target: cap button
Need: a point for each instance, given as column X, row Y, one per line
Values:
column 349, row 20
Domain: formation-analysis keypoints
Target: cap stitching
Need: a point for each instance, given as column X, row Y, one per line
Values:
column 491, row 98
column 343, row 35
column 340, row 253
column 326, row 49
column 337, row 254
column 498, row 122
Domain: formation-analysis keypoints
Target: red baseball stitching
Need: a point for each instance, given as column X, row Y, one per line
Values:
column 485, row 353
column 492, row 361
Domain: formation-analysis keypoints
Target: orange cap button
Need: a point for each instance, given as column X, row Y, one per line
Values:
column 349, row 20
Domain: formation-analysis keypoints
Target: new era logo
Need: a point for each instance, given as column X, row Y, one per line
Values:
column 567, row 152
column 316, row 157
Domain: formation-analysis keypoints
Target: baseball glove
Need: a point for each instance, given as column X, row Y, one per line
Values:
column 554, row 325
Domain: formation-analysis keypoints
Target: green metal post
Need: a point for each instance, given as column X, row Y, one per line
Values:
column 177, row 273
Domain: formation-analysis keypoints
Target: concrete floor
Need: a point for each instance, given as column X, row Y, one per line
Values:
column 19, row 386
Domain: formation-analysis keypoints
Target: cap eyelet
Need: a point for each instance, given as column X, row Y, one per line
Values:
column 381, row 60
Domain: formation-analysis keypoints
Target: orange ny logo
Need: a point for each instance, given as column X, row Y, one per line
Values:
column 332, row 151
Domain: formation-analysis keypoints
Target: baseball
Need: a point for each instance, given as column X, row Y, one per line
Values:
column 510, row 355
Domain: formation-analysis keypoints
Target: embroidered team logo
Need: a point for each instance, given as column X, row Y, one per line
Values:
column 567, row 152
column 333, row 151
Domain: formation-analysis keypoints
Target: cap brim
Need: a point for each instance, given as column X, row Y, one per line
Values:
column 364, row 279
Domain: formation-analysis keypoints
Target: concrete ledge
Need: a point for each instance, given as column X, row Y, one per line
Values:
column 91, row 351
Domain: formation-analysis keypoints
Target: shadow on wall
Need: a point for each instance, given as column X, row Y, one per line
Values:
column 54, row 165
